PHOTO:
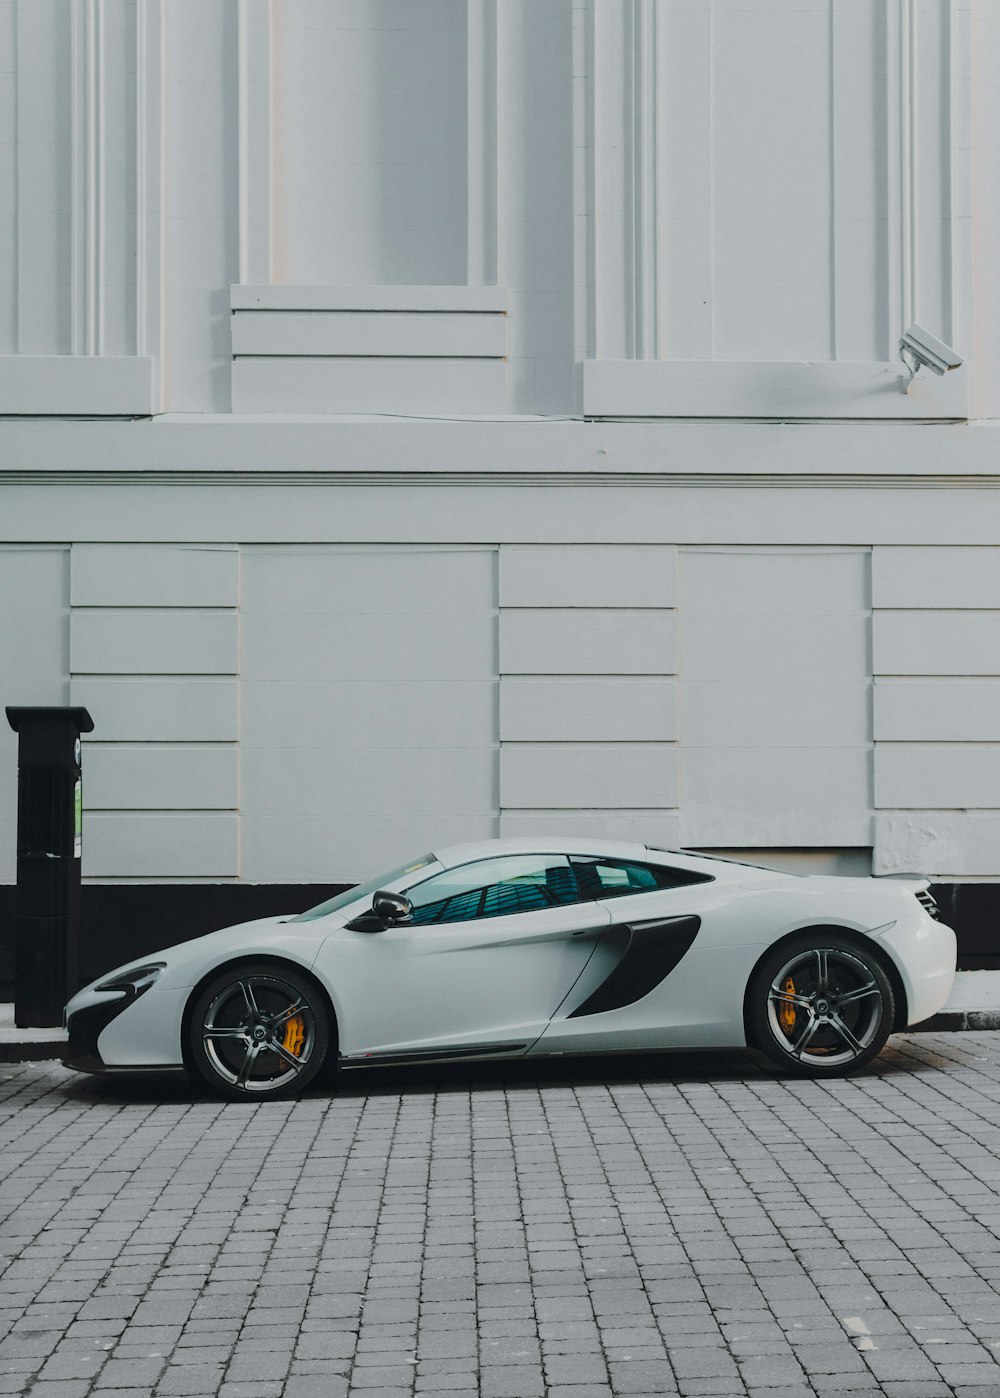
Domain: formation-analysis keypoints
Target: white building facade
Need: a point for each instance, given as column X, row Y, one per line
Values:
column 424, row 421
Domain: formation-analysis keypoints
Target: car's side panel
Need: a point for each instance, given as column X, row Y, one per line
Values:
column 924, row 952
column 698, row 999
column 489, row 981
column 699, row 1005
column 650, row 950
column 700, row 1002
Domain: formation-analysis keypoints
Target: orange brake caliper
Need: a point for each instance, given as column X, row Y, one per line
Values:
column 295, row 1035
column 787, row 1013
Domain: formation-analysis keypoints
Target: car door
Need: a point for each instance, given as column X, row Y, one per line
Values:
column 645, row 986
column 492, row 948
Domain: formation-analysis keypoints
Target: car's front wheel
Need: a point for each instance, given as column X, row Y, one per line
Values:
column 820, row 1005
column 258, row 1032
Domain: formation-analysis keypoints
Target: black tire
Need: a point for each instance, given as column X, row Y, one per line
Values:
column 820, row 1005
column 258, row 1032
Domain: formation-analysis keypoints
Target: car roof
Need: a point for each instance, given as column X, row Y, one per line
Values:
column 454, row 855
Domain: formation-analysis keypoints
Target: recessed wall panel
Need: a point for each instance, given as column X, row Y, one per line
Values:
column 371, row 169
column 368, row 719
column 775, row 698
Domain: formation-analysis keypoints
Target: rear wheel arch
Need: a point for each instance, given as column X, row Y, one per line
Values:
column 849, row 934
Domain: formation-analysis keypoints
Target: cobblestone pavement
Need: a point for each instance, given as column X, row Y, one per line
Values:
column 685, row 1225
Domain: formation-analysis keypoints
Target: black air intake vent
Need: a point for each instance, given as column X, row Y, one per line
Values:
column 927, row 902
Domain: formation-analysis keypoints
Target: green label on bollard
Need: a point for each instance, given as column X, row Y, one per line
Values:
column 78, row 819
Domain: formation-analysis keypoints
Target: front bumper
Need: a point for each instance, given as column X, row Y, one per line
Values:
column 85, row 1026
column 111, row 1032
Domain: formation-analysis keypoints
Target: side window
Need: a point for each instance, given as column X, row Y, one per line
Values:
column 610, row 878
column 516, row 883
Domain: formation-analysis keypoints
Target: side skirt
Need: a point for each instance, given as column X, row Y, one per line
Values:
column 444, row 1055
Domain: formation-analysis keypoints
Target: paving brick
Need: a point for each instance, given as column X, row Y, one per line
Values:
column 522, row 1233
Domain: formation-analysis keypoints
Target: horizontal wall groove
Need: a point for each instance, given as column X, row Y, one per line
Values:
column 145, row 744
column 174, row 812
column 598, row 678
column 333, row 311
column 78, row 607
column 210, row 476
column 141, row 676
column 383, row 358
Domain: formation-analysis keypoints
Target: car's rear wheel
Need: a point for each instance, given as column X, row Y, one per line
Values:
column 820, row 1005
column 258, row 1032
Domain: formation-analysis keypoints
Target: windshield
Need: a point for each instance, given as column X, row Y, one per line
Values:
column 363, row 890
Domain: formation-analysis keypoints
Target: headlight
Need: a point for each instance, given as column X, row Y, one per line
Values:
column 135, row 980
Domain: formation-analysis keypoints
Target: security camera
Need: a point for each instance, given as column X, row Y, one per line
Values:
column 919, row 348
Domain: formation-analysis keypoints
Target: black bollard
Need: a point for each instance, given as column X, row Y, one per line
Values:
column 49, row 848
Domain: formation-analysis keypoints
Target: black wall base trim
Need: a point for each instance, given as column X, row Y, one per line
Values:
column 973, row 909
column 120, row 922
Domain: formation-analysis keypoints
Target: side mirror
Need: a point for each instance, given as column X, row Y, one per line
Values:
column 391, row 908
column 387, row 910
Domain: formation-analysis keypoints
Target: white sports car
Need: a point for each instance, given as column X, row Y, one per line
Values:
column 513, row 948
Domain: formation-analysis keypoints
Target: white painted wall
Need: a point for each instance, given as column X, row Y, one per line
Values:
column 368, row 707
column 775, row 698
column 937, row 666
column 717, row 208
column 304, row 711
column 153, row 655
column 294, row 230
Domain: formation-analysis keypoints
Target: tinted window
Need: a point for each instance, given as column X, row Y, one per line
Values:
column 516, row 883
column 610, row 878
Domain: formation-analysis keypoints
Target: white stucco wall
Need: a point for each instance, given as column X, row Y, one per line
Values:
column 379, row 564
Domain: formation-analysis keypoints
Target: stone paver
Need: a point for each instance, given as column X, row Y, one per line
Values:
column 691, row 1225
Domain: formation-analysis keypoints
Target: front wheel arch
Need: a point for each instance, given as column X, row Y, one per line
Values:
column 258, row 959
column 866, row 944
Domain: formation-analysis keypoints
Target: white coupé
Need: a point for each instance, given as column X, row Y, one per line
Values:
column 514, row 948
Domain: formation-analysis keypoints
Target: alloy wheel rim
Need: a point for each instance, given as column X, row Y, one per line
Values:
column 825, row 1007
column 258, row 1033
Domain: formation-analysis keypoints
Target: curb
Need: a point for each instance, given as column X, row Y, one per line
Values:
column 956, row 1021
column 31, row 1051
